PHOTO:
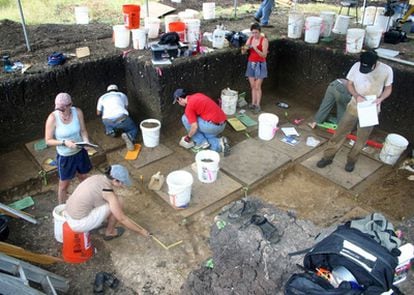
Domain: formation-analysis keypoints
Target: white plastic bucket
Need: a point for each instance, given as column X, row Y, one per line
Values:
column 373, row 36
column 207, row 165
column 151, row 135
column 295, row 25
column 170, row 19
column 152, row 24
column 379, row 11
column 229, row 101
column 82, row 15
column 139, row 38
column 354, row 40
column 59, row 219
column 394, row 146
column 267, row 125
column 121, row 36
column 209, row 10
column 369, row 18
column 382, row 21
column 312, row 29
column 341, row 24
column 193, row 30
column 328, row 18
column 179, row 188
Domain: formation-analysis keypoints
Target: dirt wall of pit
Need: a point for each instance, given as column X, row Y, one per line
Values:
column 305, row 70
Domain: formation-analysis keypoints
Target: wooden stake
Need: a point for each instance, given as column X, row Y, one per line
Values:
column 18, row 252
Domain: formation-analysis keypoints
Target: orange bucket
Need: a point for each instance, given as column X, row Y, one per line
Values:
column 77, row 247
column 179, row 28
column 131, row 16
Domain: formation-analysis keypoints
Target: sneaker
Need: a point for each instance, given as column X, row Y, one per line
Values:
column 257, row 109
column 322, row 163
column 203, row 146
column 256, row 19
column 251, row 106
column 349, row 167
column 225, row 146
column 129, row 144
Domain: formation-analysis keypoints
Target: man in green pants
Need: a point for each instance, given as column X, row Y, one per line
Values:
column 336, row 93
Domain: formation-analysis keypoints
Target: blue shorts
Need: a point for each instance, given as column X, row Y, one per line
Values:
column 257, row 70
column 69, row 165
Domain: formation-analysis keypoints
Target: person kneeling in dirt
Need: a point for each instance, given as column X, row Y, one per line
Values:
column 95, row 201
column 112, row 106
column 204, row 120
column 336, row 93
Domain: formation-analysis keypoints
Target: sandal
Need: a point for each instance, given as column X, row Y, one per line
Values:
column 119, row 232
column 241, row 208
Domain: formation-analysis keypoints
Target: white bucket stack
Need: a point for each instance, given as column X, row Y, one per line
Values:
column 82, row 15
column 207, row 165
column 152, row 24
column 170, row 19
column 313, row 26
column 179, row 188
column 382, row 22
column 341, row 24
column 59, row 219
column 328, row 19
column 229, row 101
column 139, row 38
column 121, row 36
column 354, row 40
column 209, row 10
column 267, row 126
column 394, row 146
column 369, row 17
column 373, row 36
column 295, row 25
column 150, row 129
column 192, row 30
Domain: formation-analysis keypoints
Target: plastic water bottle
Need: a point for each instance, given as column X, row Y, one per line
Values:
column 7, row 65
column 218, row 37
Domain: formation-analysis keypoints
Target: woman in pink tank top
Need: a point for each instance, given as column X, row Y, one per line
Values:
column 256, row 71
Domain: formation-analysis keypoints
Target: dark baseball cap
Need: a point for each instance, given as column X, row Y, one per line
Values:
column 179, row 93
column 367, row 59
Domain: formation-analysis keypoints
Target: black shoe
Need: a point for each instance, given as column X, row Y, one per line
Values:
column 322, row 163
column 267, row 26
column 270, row 232
column 256, row 19
column 349, row 167
column 98, row 286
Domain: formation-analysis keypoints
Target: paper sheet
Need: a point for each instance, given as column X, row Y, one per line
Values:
column 367, row 114
column 288, row 131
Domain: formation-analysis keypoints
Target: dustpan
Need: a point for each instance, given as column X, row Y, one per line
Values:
column 156, row 182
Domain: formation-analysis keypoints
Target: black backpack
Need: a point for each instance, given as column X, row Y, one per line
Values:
column 236, row 39
column 171, row 38
column 371, row 264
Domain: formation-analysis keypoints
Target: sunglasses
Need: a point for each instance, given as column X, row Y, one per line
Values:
column 64, row 107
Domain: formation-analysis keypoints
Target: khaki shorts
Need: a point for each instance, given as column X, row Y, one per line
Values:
column 95, row 219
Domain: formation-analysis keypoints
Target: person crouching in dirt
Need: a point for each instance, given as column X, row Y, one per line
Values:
column 112, row 106
column 204, row 120
column 94, row 201
column 64, row 127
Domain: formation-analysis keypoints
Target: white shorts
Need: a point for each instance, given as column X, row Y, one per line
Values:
column 95, row 219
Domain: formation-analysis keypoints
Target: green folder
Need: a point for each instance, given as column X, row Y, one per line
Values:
column 22, row 204
column 246, row 120
column 40, row 145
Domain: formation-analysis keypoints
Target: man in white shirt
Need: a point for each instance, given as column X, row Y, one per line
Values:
column 112, row 106
column 368, row 77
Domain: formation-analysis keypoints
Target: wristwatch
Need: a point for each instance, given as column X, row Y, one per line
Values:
column 63, row 143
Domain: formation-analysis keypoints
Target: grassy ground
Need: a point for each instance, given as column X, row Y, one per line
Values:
column 107, row 11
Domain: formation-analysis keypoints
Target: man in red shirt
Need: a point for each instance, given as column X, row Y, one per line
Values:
column 204, row 120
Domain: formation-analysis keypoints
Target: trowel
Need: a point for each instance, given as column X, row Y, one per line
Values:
column 156, row 182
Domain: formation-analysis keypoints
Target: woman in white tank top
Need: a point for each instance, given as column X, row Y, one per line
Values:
column 64, row 127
